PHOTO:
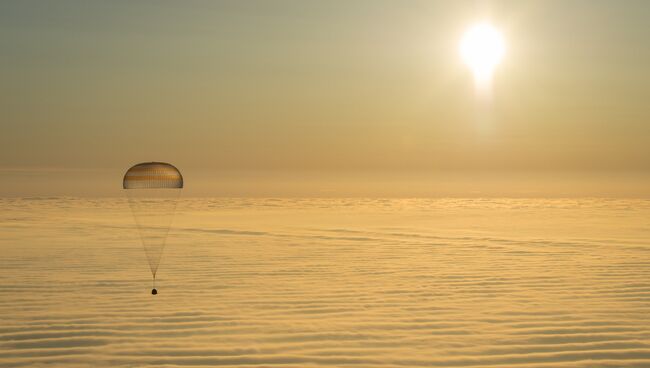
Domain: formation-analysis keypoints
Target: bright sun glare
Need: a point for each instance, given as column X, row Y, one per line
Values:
column 482, row 49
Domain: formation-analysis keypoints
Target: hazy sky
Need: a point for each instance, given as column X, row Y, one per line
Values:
column 330, row 86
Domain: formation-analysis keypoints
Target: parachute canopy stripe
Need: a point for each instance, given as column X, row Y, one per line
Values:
column 152, row 175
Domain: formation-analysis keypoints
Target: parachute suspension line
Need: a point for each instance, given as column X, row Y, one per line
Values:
column 153, row 211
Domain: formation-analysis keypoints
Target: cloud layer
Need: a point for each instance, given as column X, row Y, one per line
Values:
column 364, row 283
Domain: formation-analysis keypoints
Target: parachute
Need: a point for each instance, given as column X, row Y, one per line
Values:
column 153, row 190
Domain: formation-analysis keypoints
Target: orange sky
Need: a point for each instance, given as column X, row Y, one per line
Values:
column 369, row 92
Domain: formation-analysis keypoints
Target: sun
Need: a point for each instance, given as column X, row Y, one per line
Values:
column 482, row 48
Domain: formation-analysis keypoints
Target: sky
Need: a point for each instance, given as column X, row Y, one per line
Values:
column 309, row 98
